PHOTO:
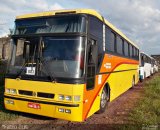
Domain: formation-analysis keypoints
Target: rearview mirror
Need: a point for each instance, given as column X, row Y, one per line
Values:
column 93, row 52
column 27, row 49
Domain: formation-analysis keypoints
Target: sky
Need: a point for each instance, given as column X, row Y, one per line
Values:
column 139, row 20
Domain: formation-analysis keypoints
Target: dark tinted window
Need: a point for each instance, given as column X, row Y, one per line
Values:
column 119, row 45
column 130, row 50
column 96, row 30
column 69, row 24
column 126, row 53
column 137, row 54
column 133, row 52
column 110, row 40
column 96, row 27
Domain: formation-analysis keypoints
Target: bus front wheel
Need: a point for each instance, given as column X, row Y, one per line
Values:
column 103, row 101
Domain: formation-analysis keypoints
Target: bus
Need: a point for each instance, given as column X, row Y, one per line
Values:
column 155, row 65
column 68, row 64
column 146, row 66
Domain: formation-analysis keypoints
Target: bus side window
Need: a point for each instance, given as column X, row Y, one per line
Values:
column 142, row 60
column 110, row 40
column 126, row 52
column 119, row 45
column 130, row 50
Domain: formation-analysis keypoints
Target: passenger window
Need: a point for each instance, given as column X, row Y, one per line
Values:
column 119, row 45
column 126, row 52
column 130, row 50
column 137, row 54
column 96, row 30
column 96, row 27
column 110, row 40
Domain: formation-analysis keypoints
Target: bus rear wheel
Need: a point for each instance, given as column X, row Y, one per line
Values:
column 103, row 101
column 133, row 82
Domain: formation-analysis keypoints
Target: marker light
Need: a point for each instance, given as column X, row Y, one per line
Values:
column 68, row 98
column 61, row 97
column 9, row 102
column 7, row 90
column 60, row 109
column 68, row 111
column 76, row 98
column 11, row 91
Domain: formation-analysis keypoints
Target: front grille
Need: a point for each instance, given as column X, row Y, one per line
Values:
column 45, row 95
column 24, row 92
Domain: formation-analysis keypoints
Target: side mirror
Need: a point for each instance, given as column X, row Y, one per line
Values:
column 93, row 52
column 26, row 49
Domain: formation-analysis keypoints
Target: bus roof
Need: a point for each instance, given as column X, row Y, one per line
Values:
column 76, row 11
column 146, row 54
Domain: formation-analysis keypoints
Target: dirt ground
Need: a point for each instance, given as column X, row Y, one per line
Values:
column 116, row 114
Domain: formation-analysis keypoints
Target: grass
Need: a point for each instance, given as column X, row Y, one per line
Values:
column 4, row 114
column 147, row 111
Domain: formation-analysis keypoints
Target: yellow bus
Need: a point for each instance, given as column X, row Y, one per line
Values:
column 68, row 64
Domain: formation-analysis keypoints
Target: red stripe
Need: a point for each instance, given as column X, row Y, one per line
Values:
column 103, row 85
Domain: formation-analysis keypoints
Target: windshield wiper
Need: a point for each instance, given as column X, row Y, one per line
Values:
column 51, row 75
column 21, row 70
column 42, row 61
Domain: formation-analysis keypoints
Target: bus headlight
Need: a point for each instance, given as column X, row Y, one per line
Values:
column 11, row 91
column 68, row 111
column 68, row 98
column 77, row 98
column 61, row 97
column 7, row 90
column 9, row 102
column 60, row 109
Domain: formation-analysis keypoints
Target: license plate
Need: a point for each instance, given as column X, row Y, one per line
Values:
column 34, row 105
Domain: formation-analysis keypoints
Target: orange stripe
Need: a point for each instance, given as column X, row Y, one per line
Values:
column 103, row 85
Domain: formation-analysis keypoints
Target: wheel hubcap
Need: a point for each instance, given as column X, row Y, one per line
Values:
column 103, row 99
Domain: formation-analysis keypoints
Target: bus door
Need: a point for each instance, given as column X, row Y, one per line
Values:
column 92, row 63
column 92, row 59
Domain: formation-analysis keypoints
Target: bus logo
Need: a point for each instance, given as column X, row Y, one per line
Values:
column 34, row 94
column 108, row 65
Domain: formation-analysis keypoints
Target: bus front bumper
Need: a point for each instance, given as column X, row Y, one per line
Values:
column 72, row 112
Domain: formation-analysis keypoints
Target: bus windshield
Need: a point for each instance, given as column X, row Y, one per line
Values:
column 48, row 56
column 60, row 24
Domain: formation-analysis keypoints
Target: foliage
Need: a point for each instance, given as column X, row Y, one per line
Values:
column 147, row 111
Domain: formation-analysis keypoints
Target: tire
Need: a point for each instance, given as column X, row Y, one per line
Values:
column 103, row 101
column 141, row 80
column 133, row 82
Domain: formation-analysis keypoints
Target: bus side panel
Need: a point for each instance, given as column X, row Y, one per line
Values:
column 147, row 69
column 115, row 68
column 141, row 73
column 123, row 80
column 121, row 71
column 92, row 97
